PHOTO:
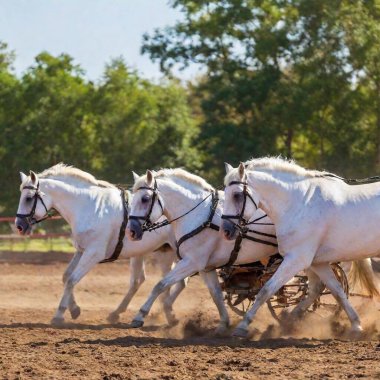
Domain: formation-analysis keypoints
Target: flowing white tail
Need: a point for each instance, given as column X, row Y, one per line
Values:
column 362, row 274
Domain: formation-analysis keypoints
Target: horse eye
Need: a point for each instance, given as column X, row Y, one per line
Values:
column 28, row 199
column 145, row 199
column 237, row 196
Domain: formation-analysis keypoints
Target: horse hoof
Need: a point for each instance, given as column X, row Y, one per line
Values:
column 221, row 331
column 136, row 324
column 57, row 321
column 356, row 333
column 240, row 333
column 75, row 312
column 173, row 322
column 113, row 318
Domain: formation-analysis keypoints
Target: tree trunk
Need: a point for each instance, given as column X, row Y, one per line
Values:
column 377, row 168
column 288, row 142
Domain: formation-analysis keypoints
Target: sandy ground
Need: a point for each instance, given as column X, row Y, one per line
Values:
column 91, row 348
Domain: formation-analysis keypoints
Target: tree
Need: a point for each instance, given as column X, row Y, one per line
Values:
column 279, row 77
column 54, row 114
column 9, row 107
column 142, row 124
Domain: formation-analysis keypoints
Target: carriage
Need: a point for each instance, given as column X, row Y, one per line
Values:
column 241, row 284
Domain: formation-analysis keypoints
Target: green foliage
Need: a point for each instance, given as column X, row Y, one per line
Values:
column 53, row 114
column 298, row 77
column 143, row 124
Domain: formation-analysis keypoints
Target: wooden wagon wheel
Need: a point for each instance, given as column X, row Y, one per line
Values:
column 288, row 295
column 341, row 276
column 240, row 308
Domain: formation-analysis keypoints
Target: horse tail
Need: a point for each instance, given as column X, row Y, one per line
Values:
column 362, row 273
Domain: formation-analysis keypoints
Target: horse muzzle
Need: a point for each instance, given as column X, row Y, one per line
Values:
column 229, row 230
column 134, row 230
column 23, row 227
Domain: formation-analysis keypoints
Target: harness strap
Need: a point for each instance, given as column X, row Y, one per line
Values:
column 260, row 233
column 235, row 251
column 207, row 224
column 260, row 240
column 119, row 246
column 238, row 242
column 155, row 226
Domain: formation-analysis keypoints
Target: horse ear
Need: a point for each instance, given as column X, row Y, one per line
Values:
column 33, row 176
column 241, row 170
column 135, row 176
column 149, row 178
column 228, row 167
column 23, row 177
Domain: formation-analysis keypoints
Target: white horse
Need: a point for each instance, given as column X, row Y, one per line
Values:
column 175, row 193
column 94, row 210
column 319, row 220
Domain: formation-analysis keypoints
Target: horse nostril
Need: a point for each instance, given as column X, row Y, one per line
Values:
column 19, row 228
column 133, row 234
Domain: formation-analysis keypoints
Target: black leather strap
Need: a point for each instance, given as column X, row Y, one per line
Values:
column 207, row 224
column 235, row 251
column 119, row 246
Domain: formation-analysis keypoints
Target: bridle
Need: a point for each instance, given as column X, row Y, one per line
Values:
column 242, row 225
column 37, row 196
column 147, row 224
column 241, row 221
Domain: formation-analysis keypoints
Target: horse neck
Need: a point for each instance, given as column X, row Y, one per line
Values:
column 179, row 200
column 274, row 192
column 66, row 198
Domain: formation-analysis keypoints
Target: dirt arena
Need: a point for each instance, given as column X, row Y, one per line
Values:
column 91, row 348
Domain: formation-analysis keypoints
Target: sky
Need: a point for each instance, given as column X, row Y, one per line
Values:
column 91, row 31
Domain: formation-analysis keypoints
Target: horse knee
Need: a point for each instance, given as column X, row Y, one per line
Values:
column 160, row 287
column 70, row 282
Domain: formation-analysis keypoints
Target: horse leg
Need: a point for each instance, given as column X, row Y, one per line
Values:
column 165, row 260
column 327, row 275
column 291, row 265
column 136, row 280
column 175, row 291
column 315, row 288
column 73, row 306
column 88, row 260
column 183, row 269
column 212, row 282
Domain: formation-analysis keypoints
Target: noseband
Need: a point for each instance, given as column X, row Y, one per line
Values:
column 147, row 224
column 37, row 196
column 241, row 221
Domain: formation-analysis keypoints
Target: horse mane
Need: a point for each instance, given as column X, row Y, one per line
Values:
column 276, row 164
column 178, row 173
column 62, row 170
